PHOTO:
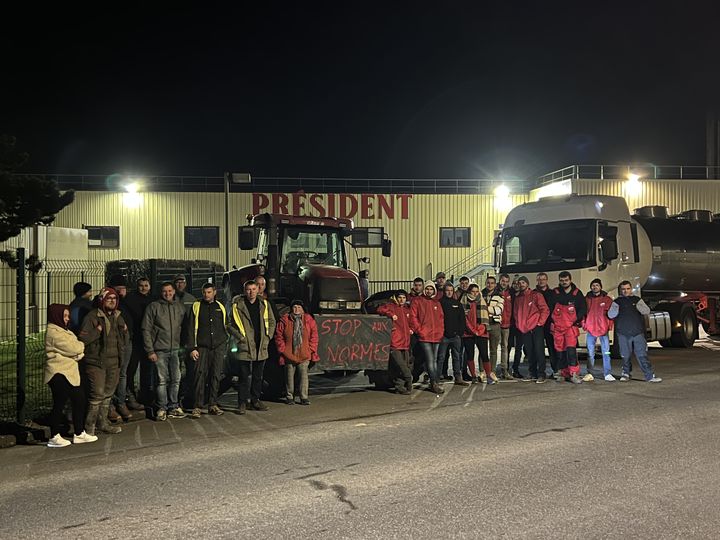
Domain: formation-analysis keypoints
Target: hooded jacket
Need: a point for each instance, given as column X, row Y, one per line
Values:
column 426, row 318
column 529, row 310
column 62, row 348
column 596, row 321
column 400, row 336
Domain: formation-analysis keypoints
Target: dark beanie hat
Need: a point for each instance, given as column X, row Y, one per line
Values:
column 117, row 280
column 81, row 288
column 400, row 292
column 297, row 303
column 596, row 280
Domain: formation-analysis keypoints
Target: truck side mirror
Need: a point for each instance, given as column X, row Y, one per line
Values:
column 386, row 247
column 247, row 238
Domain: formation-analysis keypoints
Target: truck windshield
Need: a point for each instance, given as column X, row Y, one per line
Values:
column 310, row 246
column 558, row 245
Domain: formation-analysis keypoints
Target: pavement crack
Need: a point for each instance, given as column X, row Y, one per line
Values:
column 76, row 525
column 319, row 473
column 339, row 490
column 551, row 430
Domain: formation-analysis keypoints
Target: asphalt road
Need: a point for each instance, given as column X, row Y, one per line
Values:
column 597, row 460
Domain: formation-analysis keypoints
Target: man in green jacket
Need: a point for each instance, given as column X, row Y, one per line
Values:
column 252, row 324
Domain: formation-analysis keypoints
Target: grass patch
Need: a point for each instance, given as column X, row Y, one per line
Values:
column 38, row 399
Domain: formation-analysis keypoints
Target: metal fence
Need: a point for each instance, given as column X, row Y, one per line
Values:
column 646, row 172
column 25, row 296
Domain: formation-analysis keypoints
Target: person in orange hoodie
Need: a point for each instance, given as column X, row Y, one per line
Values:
column 399, row 365
column 428, row 322
column 296, row 337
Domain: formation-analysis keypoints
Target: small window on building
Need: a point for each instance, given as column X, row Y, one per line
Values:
column 202, row 237
column 103, row 237
column 368, row 236
column 454, row 236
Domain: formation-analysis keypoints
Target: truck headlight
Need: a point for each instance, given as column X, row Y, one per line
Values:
column 329, row 305
column 354, row 305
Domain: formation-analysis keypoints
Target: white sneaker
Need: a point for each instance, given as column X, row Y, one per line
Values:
column 83, row 438
column 624, row 377
column 655, row 379
column 610, row 378
column 58, row 442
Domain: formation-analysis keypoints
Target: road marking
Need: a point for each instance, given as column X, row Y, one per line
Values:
column 470, row 397
column 138, row 437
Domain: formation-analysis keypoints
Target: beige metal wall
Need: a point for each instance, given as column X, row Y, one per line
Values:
column 155, row 228
column 416, row 240
column 677, row 195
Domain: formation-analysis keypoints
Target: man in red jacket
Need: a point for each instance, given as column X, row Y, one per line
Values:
column 530, row 313
column 568, row 310
column 598, row 325
column 399, row 365
column 428, row 323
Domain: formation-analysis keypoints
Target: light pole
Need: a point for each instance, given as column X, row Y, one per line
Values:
column 235, row 178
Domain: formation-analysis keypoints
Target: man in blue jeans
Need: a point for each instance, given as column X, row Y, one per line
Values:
column 454, row 328
column 628, row 311
column 161, row 327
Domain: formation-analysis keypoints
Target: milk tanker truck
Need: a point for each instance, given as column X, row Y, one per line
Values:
column 673, row 262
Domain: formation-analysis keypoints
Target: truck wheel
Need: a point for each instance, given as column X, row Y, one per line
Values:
column 688, row 330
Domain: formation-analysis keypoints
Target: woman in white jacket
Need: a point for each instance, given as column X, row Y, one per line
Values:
column 64, row 350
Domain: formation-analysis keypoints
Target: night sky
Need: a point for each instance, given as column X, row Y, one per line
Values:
column 361, row 89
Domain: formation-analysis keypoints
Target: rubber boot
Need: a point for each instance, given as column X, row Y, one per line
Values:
column 102, row 422
column 91, row 418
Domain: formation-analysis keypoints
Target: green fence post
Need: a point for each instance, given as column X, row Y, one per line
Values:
column 20, row 333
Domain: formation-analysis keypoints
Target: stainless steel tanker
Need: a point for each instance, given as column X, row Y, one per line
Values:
column 672, row 261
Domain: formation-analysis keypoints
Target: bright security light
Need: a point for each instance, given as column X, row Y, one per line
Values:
column 132, row 198
column 502, row 191
column 503, row 203
column 633, row 185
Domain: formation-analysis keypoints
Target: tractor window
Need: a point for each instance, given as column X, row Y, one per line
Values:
column 311, row 246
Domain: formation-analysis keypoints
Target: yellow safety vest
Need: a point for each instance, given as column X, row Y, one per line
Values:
column 196, row 313
column 239, row 323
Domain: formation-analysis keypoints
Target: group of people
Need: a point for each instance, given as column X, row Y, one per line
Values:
column 95, row 346
column 436, row 322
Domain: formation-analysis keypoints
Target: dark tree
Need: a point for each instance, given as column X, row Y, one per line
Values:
column 25, row 200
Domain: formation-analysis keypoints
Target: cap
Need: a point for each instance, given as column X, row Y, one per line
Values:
column 297, row 303
column 440, row 275
column 179, row 277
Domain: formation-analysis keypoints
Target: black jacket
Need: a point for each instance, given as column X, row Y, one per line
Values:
column 454, row 313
